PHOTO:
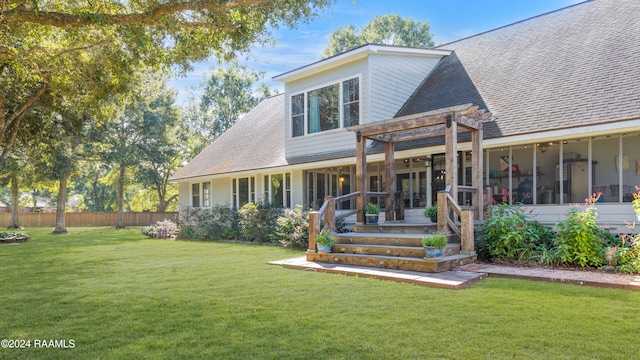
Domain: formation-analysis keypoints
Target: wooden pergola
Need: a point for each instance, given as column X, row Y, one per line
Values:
column 447, row 122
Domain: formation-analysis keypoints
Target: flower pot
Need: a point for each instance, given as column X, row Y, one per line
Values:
column 372, row 219
column 432, row 252
column 324, row 248
column 434, row 219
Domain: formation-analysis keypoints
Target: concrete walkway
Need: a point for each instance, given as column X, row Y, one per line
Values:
column 577, row 277
column 471, row 273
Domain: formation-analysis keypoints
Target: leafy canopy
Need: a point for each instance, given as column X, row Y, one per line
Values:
column 82, row 52
column 384, row 29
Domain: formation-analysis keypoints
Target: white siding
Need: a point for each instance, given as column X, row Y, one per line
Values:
column 184, row 195
column 221, row 191
column 393, row 81
column 325, row 141
column 297, row 187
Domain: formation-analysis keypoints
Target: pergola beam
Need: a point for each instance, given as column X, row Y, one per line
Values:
column 415, row 134
column 408, row 122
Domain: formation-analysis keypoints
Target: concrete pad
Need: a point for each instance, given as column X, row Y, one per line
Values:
column 447, row 280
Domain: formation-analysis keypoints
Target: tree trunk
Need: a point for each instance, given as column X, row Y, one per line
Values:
column 120, row 224
column 61, row 225
column 15, row 204
column 161, row 203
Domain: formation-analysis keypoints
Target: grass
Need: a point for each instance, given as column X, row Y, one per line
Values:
column 120, row 295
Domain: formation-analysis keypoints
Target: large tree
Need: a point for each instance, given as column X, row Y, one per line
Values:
column 229, row 91
column 97, row 194
column 384, row 29
column 59, row 158
column 162, row 152
column 140, row 136
column 81, row 52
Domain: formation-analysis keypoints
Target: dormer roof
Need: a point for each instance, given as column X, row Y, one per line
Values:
column 354, row 55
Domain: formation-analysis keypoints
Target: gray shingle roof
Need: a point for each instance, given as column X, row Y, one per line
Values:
column 255, row 142
column 572, row 67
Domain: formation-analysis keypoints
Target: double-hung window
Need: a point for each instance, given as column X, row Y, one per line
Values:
column 206, row 194
column 277, row 189
column 327, row 108
column 195, row 195
column 243, row 191
column 351, row 102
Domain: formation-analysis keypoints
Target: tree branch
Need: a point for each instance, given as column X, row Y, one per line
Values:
column 23, row 14
column 27, row 104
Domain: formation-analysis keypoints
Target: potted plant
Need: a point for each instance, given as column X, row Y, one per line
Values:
column 432, row 213
column 433, row 245
column 324, row 242
column 371, row 213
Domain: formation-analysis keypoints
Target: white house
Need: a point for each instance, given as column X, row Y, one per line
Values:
column 563, row 89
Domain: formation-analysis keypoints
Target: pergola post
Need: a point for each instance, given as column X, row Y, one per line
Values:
column 390, row 181
column 361, row 176
column 477, row 171
column 451, row 156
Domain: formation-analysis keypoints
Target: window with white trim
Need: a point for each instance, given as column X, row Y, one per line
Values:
column 206, row 194
column 195, row 195
column 243, row 191
column 277, row 189
column 326, row 108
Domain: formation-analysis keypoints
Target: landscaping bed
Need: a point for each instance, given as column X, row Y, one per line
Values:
column 13, row 237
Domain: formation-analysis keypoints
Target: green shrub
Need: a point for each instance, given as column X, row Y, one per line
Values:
column 258, row 221
column 293, row 228
column 188, row 232
column 578, row 239
column 165, row 229
column 628, row 259
column 215, row 223
column 507, row 233
column 628, row 253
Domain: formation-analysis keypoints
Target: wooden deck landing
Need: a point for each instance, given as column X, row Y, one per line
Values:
column 392, row 246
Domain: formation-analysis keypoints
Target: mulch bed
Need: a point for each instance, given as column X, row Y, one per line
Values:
column 13, row 239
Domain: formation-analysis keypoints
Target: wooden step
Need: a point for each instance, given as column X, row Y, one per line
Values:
column 406, row 239
column 379, row 239
column 394, row 262
column 391, row 250
column 396, row 228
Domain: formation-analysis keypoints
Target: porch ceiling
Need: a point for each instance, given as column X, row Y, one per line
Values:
column 423, row 125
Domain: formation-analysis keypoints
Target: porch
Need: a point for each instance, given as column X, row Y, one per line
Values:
column 397, row 244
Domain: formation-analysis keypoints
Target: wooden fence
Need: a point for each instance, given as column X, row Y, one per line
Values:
column 28, row 220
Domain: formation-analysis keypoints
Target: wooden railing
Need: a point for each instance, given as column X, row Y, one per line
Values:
column 328, row 213
column 449, row 212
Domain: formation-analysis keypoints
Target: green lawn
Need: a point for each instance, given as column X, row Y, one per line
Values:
column 120, row 295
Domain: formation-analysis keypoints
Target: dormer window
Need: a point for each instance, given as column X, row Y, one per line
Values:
column 326, row 108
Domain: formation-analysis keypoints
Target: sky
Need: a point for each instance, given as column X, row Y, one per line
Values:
column 449, row 20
